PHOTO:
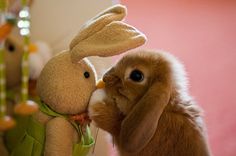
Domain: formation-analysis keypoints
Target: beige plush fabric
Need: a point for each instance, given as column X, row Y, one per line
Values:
column 57, row 130
column 106, row 35
column 115, row 13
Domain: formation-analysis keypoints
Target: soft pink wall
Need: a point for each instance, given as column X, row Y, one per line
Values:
column 202, row 33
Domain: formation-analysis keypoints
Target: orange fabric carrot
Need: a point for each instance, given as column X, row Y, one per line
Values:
column 5, row 29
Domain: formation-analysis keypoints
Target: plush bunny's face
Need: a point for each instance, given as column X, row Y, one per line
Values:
column 64, row 86
column 12, row 56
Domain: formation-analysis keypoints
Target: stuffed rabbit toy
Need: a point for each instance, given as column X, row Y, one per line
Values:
column 66, row 83
column 13, row 52
column 146, row 108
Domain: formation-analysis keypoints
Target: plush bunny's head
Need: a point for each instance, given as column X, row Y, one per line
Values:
column 13, row 55
column 13, row 52
column 68, row 79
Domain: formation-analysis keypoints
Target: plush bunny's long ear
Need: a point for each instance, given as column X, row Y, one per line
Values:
column 106, row 35
column 114, row 13
column 140, row 124
column 115, row 38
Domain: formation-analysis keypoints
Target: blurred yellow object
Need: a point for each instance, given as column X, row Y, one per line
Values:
column 3, row 5
column 33, row 48
column 100, row 84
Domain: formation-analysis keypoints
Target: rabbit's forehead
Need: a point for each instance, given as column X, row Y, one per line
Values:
column 141, row 68
column 128, row 66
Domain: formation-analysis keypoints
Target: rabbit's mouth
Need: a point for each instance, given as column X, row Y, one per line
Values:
column 122, row 102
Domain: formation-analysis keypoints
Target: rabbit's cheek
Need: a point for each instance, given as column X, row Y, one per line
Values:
column 123, row 104
column 110, row 91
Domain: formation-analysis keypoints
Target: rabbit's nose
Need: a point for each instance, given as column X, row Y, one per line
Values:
column 110, row 79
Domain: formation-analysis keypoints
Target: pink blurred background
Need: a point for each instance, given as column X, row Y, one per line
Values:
column 201, row 33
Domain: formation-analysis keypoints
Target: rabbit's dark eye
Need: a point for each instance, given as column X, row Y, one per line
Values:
column 11, row 48
column 86, row 75
column 136, row 75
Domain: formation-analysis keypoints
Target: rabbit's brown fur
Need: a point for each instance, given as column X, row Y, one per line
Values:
column 155, row 117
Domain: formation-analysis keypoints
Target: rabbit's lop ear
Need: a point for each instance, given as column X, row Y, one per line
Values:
column 114, row 13
column 140, row 124
column 115, row 38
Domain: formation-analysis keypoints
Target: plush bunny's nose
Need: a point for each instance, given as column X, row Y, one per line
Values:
column 100, row 84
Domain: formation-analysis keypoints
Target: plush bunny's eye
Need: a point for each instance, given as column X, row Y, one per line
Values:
column 11, row 48
column 136, row 75
column 86, row 75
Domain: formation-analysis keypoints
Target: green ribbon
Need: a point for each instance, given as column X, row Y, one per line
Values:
column 86, row 142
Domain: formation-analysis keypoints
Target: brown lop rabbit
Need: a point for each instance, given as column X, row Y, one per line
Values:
column 145, row 106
